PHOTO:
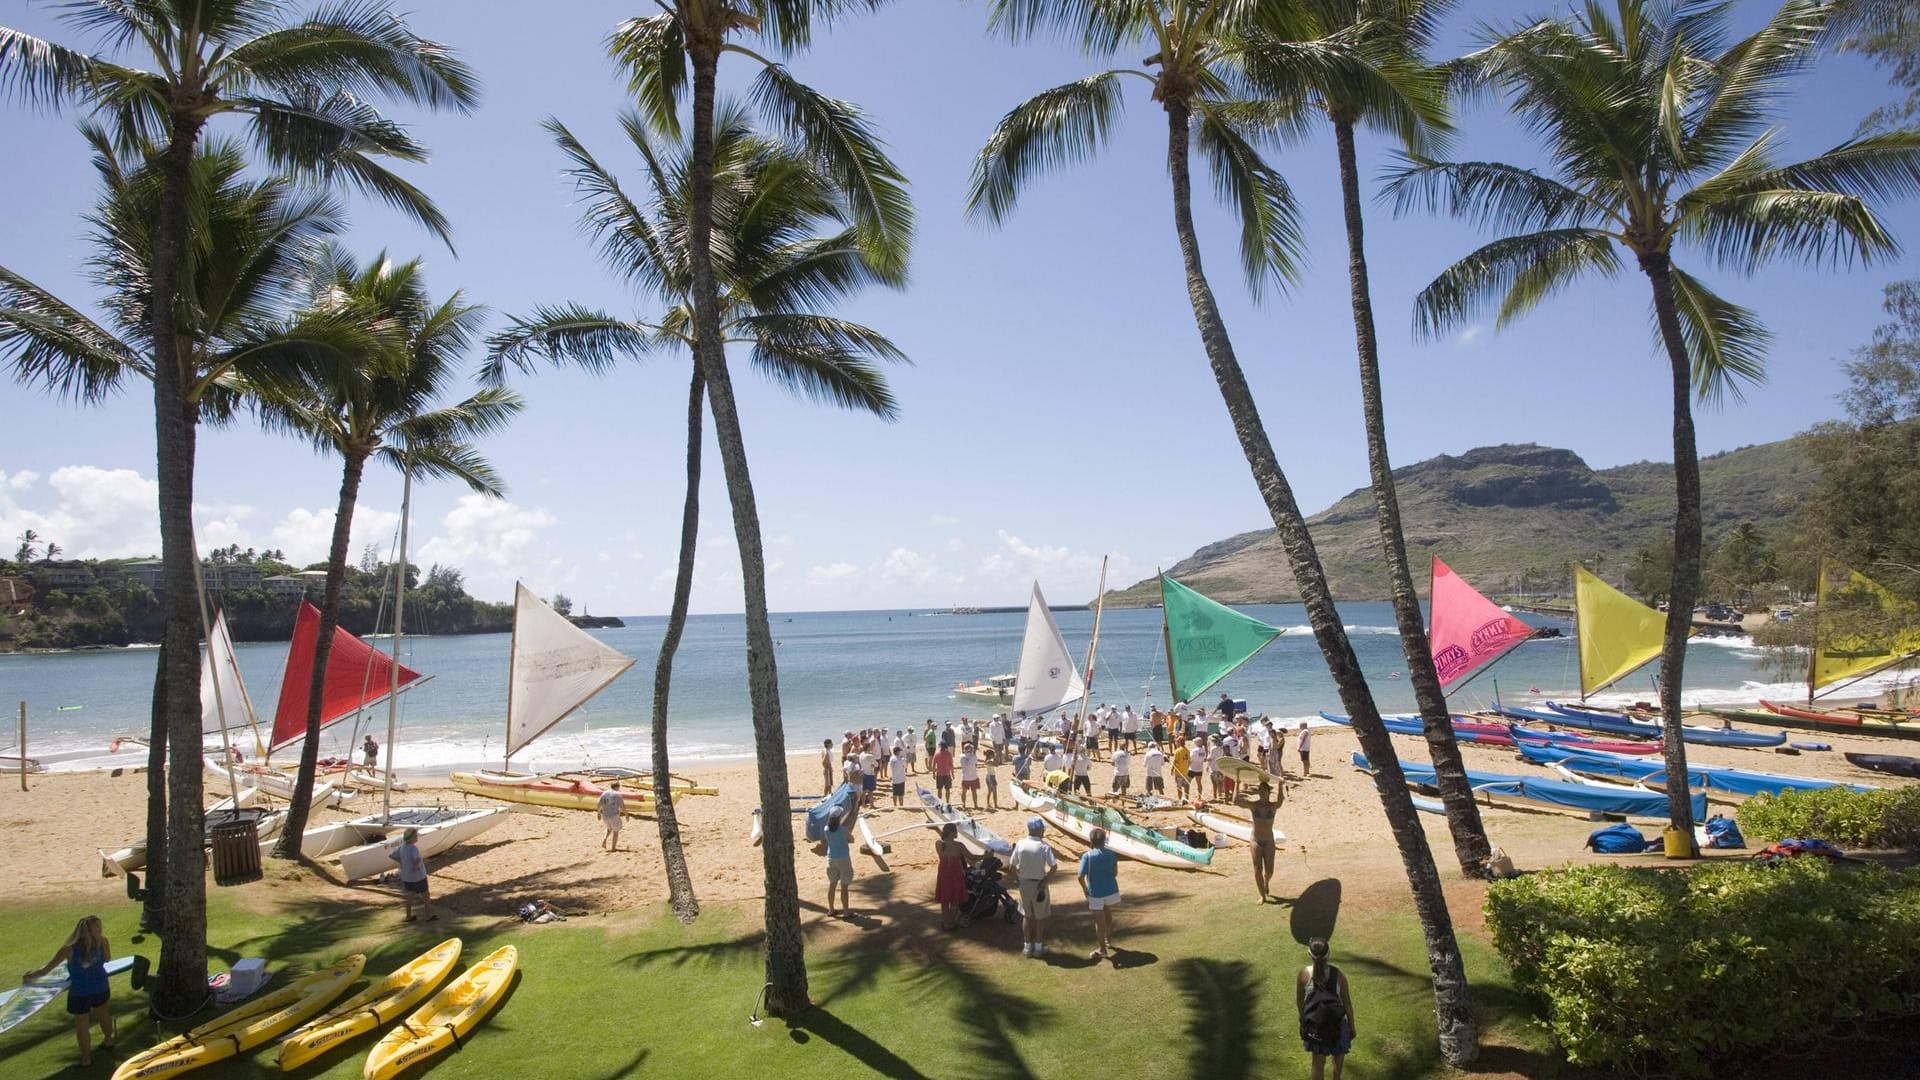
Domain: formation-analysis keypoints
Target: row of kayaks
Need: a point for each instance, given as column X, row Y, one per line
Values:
column 1886, row 724
column 296, row 1012
column 572, row 791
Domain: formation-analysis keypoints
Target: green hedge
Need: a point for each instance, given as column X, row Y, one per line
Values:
column 1888, row 818
column 1675, row 970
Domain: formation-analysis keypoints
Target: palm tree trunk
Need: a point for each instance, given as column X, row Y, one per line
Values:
column 182, row 973
column 1686, row 544
column 686, row 906
column 302, row 802
column 1453, row 1003
column 152, row 911
column 1463, row 814
column 786, row 975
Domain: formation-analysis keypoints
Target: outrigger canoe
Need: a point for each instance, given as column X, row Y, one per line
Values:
column 252, row 1024
column 1891, row 764
column 376, row 1005
column 1877, row 723
column 1124, row 837
column 447, row 1017
column 534, row 790
column 1531, row 793
column 975, row 837
column 1618, row 724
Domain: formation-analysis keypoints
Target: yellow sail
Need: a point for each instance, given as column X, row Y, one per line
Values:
column 1842, row 650
column 1616, row 632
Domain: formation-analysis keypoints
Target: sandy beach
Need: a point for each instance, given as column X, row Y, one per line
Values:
column 1332, row 821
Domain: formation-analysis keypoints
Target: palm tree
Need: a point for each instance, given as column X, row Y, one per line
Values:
column 775, row 271
column 305, row 87
column 659, row 52
column 29, row 547
column 380, row 404
column 1198, row 63
column 1657, row 126
column 238, row 321
column 1399, row 96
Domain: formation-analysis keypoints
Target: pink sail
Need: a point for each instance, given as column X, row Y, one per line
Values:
column 1468, row 629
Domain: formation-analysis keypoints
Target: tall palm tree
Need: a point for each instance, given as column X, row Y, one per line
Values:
column 1658, row 128
column 239, row 319
column 305, row 87
column 1198, row 72
column 1401, row 97
column 381, row 404
column 775, row 271
column 660, row 52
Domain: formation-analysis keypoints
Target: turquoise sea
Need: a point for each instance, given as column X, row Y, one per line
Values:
column 838, row 670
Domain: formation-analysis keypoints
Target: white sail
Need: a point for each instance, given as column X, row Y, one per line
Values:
column 218, row 665
column 556, row 667
column 1047, row 677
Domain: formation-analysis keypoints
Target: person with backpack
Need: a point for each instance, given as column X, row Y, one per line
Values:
column 1326, row 1011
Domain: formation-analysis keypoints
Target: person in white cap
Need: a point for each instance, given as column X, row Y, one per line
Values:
column 1032, row 860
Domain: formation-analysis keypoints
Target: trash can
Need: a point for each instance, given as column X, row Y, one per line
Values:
column 236, row 851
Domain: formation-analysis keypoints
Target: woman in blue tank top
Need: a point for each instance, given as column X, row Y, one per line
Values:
column 86, row 954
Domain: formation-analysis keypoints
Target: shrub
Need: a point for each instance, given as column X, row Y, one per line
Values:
column 1673, row 970
column 1887, row 818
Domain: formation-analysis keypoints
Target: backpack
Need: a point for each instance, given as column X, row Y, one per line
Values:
column 1723, row 833
column 1621, row 839
column 1323, row 1016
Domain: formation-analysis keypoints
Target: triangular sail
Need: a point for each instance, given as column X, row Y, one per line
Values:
column 1206, row 639
column 1046, row 677
column 1847, row 643
column 556, row 667
column 221, row 689
column 1616, row 633
column 357, row 675
column 1469, row 630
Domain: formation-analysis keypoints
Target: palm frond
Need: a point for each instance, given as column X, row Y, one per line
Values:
column 813, row 273
column 838, row 136
column 1063, row 126
column 39, row 72
column 49, row 343
column 820, row 372
column 629, row 242
column 1271, row 244
column 653, row 51
column 1099, row 26
column 564, row 334
column 1519, row 270
column 1491, row 195
column 1751, row 77
column 457, row 461
column 1726, row 343
column 357, row 48
column 487, row 412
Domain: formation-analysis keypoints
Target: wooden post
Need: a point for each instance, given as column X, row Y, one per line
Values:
column 23, row 746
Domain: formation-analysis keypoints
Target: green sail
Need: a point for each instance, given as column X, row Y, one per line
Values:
column 1206, row 639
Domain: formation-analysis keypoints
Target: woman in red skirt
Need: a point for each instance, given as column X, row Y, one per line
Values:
column 950, row 882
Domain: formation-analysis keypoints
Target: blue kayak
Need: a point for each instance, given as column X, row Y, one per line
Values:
column 1616, row 724
column 1625, row 802
column 1710, row 777
column 1411, row 725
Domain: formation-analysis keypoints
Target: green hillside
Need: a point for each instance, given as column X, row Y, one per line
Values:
column 1497, row 511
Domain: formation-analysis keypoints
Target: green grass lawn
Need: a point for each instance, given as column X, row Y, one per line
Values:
column 1201, row 991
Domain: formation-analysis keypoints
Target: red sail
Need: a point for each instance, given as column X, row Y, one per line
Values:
column 1468, row 629
column 357, row 674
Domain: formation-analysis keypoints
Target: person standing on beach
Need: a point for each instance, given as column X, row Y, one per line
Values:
column 370, row 753
column 990, row 773
column 1100, row 884
column 930, row 738
column 897, row 773
column 1326, row 1011
column 1197, row 766
column 1130, row 728
column 1262, row 810
column 1082, row 772
column 869, row 776
column 85, row 953
column 943, row 774
column 912, row 746
column 1032, row 860
column 840, row 828
column 950, row 878
column 969, row 776
column 1155, row 761
column 1122, row 771
column 1306, row 761
column 612, row 807
column 1182, row 763
column 826, row 766
column 413, row 875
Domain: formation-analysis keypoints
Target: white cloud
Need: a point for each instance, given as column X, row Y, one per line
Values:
column 481, row 532
column 95, row 513
column 307, row 535
column 1059, row 569
column 828, row 575
column 904, row 566
column 1469, row 335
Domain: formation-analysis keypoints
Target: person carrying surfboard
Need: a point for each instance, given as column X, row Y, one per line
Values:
column 86, row 953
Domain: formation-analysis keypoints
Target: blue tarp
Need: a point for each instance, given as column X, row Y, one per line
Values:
column 1554, row 792
column 843, row 795
column 1711, row 777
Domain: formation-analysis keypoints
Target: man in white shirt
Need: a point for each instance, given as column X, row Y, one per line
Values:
column 1083, row 772
column 969, row 776
column 1130, row 727
column 869, row 776
column 997, row 735
column 1306, row 750
column 1122, row 770
column 1156, row 784
column 1054, row 762
column 1031, row 861
column 897, row 772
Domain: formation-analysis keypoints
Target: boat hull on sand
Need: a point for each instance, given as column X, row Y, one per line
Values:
column 1891, row 764
column 366, row 844
column 1127, row 841
column 975, row 837
column 533, row 790
column 1843, row 723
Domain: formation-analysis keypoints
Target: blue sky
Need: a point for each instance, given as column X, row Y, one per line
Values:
column 1058, row 407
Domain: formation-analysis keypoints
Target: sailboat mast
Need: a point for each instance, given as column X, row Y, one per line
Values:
column 513, row 647
column 399, row 608
column 1093, row 646
column 1813, row 653
column 219, row 706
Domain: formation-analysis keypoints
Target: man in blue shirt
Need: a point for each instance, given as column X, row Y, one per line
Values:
column 1100, row 882
column 840, row 856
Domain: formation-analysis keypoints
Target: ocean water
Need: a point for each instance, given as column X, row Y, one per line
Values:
column 838, row 670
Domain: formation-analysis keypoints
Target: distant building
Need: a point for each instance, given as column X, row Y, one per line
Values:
column 218, row 577
column 299, row 583
column 68, row 576
column 146, row 572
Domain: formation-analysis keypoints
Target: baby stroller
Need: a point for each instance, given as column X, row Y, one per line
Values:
column 986, row 892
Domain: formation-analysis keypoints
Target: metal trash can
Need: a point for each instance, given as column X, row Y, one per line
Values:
column 236, row 851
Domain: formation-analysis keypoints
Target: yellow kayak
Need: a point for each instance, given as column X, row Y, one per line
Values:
column 547, row 791
column 371, row 1007
column 248, row 1026
column 447, row 1017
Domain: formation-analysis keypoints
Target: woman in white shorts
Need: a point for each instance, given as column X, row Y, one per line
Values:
column 1099, row 880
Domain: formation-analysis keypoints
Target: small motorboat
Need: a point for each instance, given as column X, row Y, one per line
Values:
column 997, row 691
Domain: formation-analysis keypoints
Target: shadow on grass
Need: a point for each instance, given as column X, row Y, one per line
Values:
column 1315, row 911
column 1222, row 1023
column 818, row 1022
column 1492, row 1003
